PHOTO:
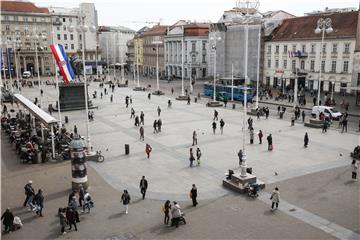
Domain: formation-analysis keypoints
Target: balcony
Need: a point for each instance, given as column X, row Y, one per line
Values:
column 300, row 54
column 57, row 23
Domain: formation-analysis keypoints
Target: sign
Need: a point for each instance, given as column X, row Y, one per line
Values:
column 281, row 71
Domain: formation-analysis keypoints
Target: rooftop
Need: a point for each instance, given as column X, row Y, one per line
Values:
column 344, row 25
column 156, row 30
column 16, row 6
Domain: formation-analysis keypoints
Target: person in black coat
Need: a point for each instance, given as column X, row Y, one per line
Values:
column 270, row 142
column 72, row 194
column 39, row 201
column 8, row 220
column 306, row 140
column 193, row 195
column 71, row 218
column 30, row 193
column 143, row 186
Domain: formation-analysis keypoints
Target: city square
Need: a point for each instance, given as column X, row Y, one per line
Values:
column 53, row 136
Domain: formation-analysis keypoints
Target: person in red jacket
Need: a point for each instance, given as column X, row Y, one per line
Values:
column 148, row 150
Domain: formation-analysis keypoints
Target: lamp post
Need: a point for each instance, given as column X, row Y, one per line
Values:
column 83, row 28
column 8, row 57
column 258, row 69
column 16, row 44
column 137, row 88
column 232, row 82
column 114, row 58
column 107, row 58
column 182, row 97
column 193, row 55
column 157, row 92
column 323, row 25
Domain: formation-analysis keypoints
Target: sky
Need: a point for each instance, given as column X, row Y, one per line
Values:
column 135, row 13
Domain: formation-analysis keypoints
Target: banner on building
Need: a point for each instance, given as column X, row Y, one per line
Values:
column 63, row 62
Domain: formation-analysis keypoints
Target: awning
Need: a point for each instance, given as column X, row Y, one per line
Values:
column 40, row 114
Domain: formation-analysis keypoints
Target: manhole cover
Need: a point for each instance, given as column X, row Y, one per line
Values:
column 124, row 236
column 292, row 210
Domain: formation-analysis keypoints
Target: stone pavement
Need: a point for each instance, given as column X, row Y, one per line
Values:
column 170, row 176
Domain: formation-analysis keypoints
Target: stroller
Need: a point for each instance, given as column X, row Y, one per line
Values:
column 176, row 221
column 253, row 190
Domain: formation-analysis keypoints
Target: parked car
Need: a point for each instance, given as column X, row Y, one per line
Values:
column 26, row 74
column 327, row 111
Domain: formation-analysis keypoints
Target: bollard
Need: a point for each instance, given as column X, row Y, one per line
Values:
column 78, row 164
column 127, row 149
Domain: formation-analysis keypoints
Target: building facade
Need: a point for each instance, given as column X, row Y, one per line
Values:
column 21, row 22
column 294, row 48
column 192, row 40
column 153, row 41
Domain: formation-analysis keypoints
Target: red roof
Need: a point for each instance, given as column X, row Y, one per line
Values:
column 301, row 28
column 13, row 6
column 156, row 30
column 196, row 29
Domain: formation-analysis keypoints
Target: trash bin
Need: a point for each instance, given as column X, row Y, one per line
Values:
column 66, row 119
column 249, row 170
column 127, row 149
column 233, row 106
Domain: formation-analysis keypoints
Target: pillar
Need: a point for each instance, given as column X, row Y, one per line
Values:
column 78, row 163
column 24, row 57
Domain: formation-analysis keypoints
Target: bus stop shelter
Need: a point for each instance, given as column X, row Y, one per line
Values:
column 46, row 119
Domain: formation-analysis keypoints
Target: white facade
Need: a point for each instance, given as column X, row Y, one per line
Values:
column 196, row 54
column 337, row 62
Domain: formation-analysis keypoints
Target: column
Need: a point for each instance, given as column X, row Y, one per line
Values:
column 78, row 164
column 24, row 57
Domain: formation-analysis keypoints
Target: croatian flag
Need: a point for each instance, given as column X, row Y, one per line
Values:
column 290, row 54
column 63, row 62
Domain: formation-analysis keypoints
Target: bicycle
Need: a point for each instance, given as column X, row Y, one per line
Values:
column 97, row 157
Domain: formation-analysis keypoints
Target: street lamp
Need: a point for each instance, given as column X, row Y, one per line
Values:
column 9, row 65
column 323, row 25
column 157, row 92
column 193, row 55
column 258, row 69
column 214, row 103
column 83, row 28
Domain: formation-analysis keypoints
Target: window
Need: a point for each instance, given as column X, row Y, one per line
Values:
column 64, row 28
column 58, row 28
column 34, row 19
column 277, row 49
column 7, row 27
column 334, row 48
column 276, row 63
column 293, row 65
column 80, row 37
column 80, row 46
column 269, row 63
column 333, row 66
column 346, row 66
column 302, row 65
column 65, row 36
column 16, row 18
column 43, row 19
column 204, row 46
column 26, row 19
column 58, row 37
column 294, row 48
column 312, row 48
column 285, row 49
column 6, row 18
column 66, row 46
column 193, row 46
column 71, row 37
column 303, row 48
column 285, row 64
column 269, row 49
column 204, row 58
column 324, row 48
column 64, row 19
column 323, row 66
column 70, row 19
column 312, row 65
column 347, row 48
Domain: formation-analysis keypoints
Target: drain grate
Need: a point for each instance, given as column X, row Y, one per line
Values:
column 124, row 236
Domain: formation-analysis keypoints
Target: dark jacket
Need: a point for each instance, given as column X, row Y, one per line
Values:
column 70, row 215
column 145, row 183
column 193, row 192
column 8, row 218
column 125, row 198
column 39, row 199
column 29, row 191
column 269, row 139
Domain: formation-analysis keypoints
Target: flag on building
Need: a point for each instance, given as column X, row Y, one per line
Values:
column 290, row 54
column 8, row 60
column 63, row 62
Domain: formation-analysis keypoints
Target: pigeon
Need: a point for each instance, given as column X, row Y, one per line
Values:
column 107, row 149
column 340, row 154
column 276, row 174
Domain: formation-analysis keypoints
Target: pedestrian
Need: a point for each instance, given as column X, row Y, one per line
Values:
column 8, row 220
column 194, row 137
column 166, row 210
column 127, row 101
column 130, row 100
column 142, row 116
column 71, row 218
column 186, row 92
column 39, row 202
column 30, row 193
column 81, row 195
column 141, row 130
column 267, row 112
column 75, row 130
column 306, row 139
column 71, row 195
column 172, row 91
column 215, row 115
column 101, row 95
column 354, row 168
column 88, row 203
column 275, row 198
column 175, row 214
column 250, row 122
column 132, row 113
column 240, row 155
column 270, row 142
column 137, row 123
column 159, row 124
column 158, row 111
column 257, row 113
column 191, row 158
column 143, row 186
column 41, row 92
column 303, row 116
column 325, row 125
column 188, row 100
column 155, row 126
column 193, row 195
column 251, row 136
column 344, row 125
column 198, row 155
column 278, row 109
column 63, row 220
column 148, row 150
column 111, row 98
column 149, row 96
column 260, row 135
column 214, row 126
column 73, row 205
column 222, row 124
column 125, row 199
column 169, row 103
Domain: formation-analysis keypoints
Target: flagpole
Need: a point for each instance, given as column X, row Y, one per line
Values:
column 9, row 68
column 57, row 83
column 1, row 64
column 3, row 68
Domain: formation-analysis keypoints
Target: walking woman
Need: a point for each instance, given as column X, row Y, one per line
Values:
column 260, row 135
column 270, row 142
column 306, row 140
column 354, row 168
column 191, row 157
column 166, row 210
column 275, row 198
column 198, row 155
column 63, row 220
column 148, row 150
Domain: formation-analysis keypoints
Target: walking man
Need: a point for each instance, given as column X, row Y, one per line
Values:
column 39, row 201
column 270, row 142
column 306, row 140
column 159, row 124
column 251, row 136
column 158, row 111
column 8, row 220
column 132, row 113
column 155, row 126
column 141, row 130
column 125, row 199
column 275, row 198
column 127, row 101
column 303, row 115
column 215, row 115
column 194, row 138
column 142, row 116
column 222, row 124
column 344, row 125
column 214, row 126
column 191, row 158
column 354, row 169
column 193, row 195
column 148, row 150
column 30, row 193
column 143, row 186
column 198, row 155
column 260, row 135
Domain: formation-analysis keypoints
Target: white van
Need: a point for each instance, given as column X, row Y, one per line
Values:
column 327, row 111
column 26, row 74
